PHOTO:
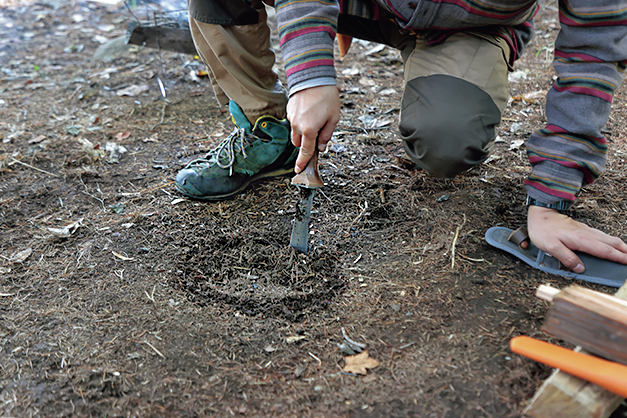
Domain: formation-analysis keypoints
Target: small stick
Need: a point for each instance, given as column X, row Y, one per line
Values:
column 34, row 168
column 162, row 117
column 153, row 347
column 319, row 361
column 326, row 197
column 93, row 197
column 152, row 298
column 156, row 188
column 352, row 342
column 455, row 242
column 360, row 215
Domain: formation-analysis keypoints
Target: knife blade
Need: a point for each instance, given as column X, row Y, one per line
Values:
column 308, row 181
column 300, row 229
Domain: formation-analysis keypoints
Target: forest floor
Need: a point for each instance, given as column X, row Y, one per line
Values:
column 118, row 298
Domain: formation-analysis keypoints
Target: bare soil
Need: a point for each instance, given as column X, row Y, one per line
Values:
column 118, row 298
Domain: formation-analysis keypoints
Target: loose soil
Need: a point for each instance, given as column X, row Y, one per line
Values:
column 120, row 299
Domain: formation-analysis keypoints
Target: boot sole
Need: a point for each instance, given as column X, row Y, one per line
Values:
column 251, row 179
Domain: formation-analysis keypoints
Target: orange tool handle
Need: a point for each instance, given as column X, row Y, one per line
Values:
column 607, row 374
column 344, row 43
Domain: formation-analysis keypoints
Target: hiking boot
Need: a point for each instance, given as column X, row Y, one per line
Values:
column 249, row 153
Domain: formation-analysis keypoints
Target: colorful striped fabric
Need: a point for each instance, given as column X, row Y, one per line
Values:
column 307, row 28
column 590, row 60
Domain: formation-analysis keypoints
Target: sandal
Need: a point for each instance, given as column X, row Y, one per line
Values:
column 598, row 270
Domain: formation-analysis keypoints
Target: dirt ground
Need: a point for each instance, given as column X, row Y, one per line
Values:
column 120, row 299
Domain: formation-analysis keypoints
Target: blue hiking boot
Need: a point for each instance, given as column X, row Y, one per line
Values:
column 249, row 153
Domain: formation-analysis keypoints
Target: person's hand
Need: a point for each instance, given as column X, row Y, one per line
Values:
column 313, row 113
column 558, row 235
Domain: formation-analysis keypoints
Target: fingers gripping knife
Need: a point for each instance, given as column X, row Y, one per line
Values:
column 308, row 181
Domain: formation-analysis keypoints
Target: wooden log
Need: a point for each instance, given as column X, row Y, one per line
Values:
column 595, row 321
column 161, row 37
column 565, row 396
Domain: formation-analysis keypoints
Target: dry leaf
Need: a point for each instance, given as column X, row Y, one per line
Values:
column 369, row 378
column 351, row 71
column 120, row 136
column 37, row 139
column 91, row 149
column 365, row 81
column 491, row 158
column 358, row 363
column 21, row 256
column 67, row 230
column 115, row 151
column 516, row 144
column 387, row 92
column 376, row 50
column 132, row 91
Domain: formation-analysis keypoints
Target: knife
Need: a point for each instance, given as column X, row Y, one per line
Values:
column 308, row 181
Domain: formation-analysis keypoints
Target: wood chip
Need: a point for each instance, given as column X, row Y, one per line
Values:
column 121, row 257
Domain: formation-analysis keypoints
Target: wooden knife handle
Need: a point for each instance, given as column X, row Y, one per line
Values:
column 309, row 177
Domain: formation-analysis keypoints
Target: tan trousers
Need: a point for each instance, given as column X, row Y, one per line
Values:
column 469, row 57
column 454, row 92
column 240, row 61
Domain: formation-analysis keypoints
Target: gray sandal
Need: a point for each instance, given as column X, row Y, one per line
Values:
column 598, row 270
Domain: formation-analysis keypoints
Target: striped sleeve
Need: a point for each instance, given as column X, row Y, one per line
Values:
column 590, row 59
column 307, row 30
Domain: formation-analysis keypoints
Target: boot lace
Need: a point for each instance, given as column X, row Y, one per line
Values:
column 227, row 150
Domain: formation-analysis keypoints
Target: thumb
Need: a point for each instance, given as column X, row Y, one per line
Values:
column 569, row 259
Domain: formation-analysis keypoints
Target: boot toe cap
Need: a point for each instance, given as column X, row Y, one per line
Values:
column 193, row 184
column 187, row 181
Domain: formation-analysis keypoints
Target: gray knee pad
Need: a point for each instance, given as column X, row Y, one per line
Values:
column 447, row 124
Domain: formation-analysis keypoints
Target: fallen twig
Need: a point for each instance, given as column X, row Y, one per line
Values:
column 162, row 116
column 153, row 347
column 156, row 188
column 319, row 361
column 360, row 215
column 476, row 260
column 93, row 197
column 34, row 168
column 455, row 242
column 353, row 344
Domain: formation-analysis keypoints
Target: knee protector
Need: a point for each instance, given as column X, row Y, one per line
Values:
column 447, row 124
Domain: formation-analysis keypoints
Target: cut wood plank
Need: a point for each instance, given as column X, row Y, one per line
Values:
column 547, row 293
column 595, row 321
column 565, row 396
